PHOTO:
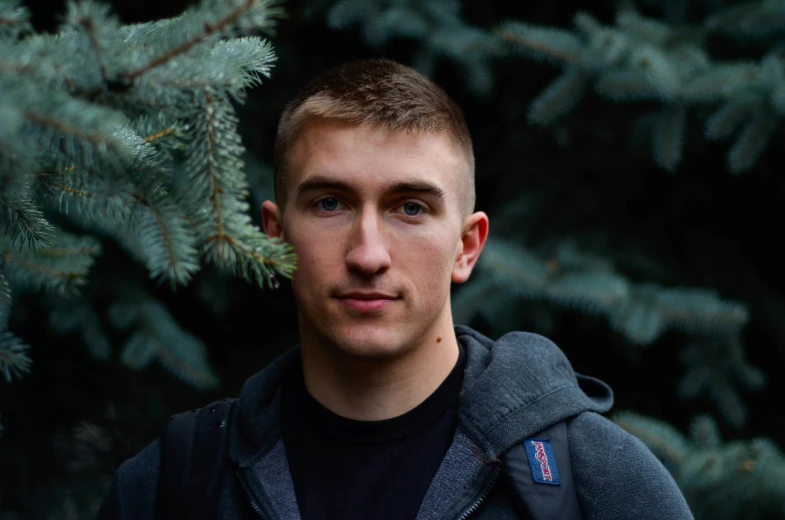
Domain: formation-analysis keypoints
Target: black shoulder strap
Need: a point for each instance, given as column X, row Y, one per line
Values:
column 540, row 476
column 193, row 456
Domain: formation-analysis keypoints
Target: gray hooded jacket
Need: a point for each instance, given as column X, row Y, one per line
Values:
column 513, row 388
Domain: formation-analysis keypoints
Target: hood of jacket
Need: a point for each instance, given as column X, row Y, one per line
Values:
column 513, row 388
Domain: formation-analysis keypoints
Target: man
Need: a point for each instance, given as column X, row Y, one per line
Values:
column 386, row 409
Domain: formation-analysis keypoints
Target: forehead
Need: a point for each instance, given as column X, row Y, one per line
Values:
column 369, row 157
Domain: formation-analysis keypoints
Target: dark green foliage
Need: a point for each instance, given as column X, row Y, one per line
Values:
column 128, row 133
column 437, row 26
column 742, row 479
column 639, row 59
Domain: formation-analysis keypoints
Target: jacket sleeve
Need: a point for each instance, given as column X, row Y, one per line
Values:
column 617, row 477
column 132, row 493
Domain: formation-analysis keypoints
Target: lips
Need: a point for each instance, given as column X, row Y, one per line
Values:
column 367, row 296
column 366, row 302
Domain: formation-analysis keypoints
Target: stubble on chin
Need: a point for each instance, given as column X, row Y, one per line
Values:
column 373, row 347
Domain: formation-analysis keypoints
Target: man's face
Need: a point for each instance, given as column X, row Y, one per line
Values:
column 375, row 221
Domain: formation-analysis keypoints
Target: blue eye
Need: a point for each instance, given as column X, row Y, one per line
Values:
column 331, row 206
column 411, row 206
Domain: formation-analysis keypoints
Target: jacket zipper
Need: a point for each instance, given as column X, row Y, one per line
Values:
column 483, row 496
column 249, row 495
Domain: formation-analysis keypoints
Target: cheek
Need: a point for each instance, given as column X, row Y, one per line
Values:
column 315, row 258
column 430, row 265
column 311, row 242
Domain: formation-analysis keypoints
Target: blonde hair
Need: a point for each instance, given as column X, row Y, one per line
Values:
column 378, row 92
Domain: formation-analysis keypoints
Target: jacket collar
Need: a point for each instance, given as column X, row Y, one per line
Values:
column 519, row 385
column 513, row 387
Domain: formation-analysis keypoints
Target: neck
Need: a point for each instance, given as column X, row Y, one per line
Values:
column 377, row 389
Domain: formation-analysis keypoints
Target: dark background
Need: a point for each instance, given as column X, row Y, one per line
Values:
column 703, row 226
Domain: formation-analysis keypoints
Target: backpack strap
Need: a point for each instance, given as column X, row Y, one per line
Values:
column 193, row 457
column 540, row 476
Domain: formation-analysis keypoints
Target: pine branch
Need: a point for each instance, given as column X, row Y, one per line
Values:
column 227, row 66
column 709, row 471
column 652, row 310
column 559, row 97
column 515, row 267
column 471, row 48
column 590, row 291
column 437, row 24
column 165, row 239
column 654, row 31
column 99, row 122
column 156, row 335
column 14, row 19
column 22, row 217
column 16, row 158
column 700, row 311
column 774, row 76
column 642, row 312
column 232, row 15
column 755, row 19
column 640, row 58
column 213, row 166
column 61, row 268
column 544, row 43
column 629, row 85
column 5, row 301
column 94, row 22
column 704, row 432
column 730, row 116
column 9, row 67
column 168, row 242
column 587, row 26
column 722, row 81
column 346, row 12
column 13, row 356
column 95, row 198
column 752, row 140
column 56, row 124
column 668, row 141
column 716, row 367
column 214, row 177
column 259, row 258
column 111, row 197
column 659, row 66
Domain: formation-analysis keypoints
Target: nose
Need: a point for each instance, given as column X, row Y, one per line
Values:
column 368, row 252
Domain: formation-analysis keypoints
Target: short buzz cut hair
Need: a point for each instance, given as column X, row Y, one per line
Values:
column 378, row 92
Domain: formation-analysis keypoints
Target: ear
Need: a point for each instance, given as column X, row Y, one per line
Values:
column 475, row 233
column 271, row 220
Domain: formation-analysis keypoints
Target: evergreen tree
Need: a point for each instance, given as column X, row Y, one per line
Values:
column 741, row 479
column 666, row 61
column 128, row 134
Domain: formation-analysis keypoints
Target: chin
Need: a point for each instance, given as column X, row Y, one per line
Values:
column 366, row 344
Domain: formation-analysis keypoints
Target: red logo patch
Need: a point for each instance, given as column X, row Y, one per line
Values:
column 542, row 457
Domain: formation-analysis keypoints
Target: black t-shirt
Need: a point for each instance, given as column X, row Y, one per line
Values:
column 345, row 469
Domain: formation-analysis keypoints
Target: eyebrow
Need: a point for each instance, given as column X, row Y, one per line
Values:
column 320, row 182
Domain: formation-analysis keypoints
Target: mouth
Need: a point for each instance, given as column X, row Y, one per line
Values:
column 365, row 304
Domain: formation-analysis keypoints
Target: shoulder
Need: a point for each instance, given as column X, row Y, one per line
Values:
column 617, row 476
column 132, row 493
